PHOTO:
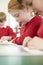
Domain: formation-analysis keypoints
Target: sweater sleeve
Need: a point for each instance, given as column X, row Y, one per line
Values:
column 40, row 31
column 19, row 40
column 34, row 26
column 10, row 32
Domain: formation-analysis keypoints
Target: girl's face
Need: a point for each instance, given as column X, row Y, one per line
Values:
column 23, row 16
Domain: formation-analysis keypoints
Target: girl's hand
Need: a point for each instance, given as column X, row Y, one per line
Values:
column 8, row 38
column 26, row 41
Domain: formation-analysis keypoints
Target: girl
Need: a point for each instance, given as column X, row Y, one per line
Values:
column 29, row 23
column 6, row 33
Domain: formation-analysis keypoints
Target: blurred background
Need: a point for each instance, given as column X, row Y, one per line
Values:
column 10, row 19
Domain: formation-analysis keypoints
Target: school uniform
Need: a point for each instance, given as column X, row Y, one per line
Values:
column 40, row 31
column 7, row 31
column 29, row 29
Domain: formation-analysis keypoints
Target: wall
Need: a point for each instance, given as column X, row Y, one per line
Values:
column 4, row 8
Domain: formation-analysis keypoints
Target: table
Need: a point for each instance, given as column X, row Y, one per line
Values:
column 11, row 54
column 21, row 60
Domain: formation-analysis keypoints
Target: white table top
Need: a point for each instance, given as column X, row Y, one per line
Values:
column 8, row 48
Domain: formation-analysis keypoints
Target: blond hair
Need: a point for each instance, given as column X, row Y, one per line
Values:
column 2, row 16
column 15, row 5
column 18, row 5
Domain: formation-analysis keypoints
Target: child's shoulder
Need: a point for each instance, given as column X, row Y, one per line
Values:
column 37, row 17
column 8, row 27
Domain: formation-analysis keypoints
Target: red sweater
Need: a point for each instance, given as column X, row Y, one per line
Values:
column 29, row 29
column 40, row 31
column 7, row 32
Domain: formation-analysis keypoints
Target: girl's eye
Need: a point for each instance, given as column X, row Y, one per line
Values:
column 16, row 15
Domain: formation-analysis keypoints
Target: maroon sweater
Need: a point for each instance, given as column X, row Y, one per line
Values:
column 29, row 29
column 7, row 32
column 40, row 31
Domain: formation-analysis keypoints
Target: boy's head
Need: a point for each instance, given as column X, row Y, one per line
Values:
column 38, row 6
column 2, row 18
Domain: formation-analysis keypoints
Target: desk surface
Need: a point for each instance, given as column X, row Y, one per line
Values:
column 11, row 54
column 11, row 49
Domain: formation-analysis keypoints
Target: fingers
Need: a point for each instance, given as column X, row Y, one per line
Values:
column 6, row 38
column 26, row 41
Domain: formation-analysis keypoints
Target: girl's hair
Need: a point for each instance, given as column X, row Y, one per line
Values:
column 2, row 16
column 15, row 5
column 20, row 1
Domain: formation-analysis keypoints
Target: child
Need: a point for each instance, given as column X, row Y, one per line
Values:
column 6, row 33
column 30, row 25
column 37, row 42
column 39, row 32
